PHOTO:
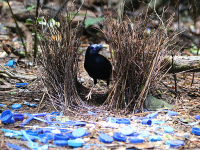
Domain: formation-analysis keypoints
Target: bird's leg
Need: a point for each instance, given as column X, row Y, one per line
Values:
column 90, row 93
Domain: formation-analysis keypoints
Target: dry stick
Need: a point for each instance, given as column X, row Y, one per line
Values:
column 147, row 82
column 26, row 54
column 36, row 23
column 41, row 102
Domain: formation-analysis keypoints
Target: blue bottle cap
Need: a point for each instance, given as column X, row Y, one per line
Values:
column 105, row 138
column 61, row 143
column 61, row 137
column 111, row 119
column 18, row 117
column 135, row 140
column 123, row 121
column 172, row 113
column 127, row 130
column 16, row 106
column 6, row 116
column 76, row 143
column 146, row 121
column 197, row 117
column 174, row 143
column 168, row 129
column 32, row 132
column 80, row 132
column 10, row 63
column 117, row 136
column 155, row 138
column 18, row 85
column 196, row 131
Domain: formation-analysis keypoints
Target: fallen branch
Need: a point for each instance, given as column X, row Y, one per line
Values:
column 184, row 63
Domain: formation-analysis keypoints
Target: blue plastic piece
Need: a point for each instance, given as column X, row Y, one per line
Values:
column 31, row 116
column 11, row 63
column 157, row 122
column 11, row 131
column 31, row 144
column 16, row 106
column 135, row 140
column 23, row 138
column 32, row 132
column 135, row 134
column 153, row 115
column 172, row 113
column 111, row 119
column 16, row 147
column 146, row 121
column 44, row 130
column 105, row 138
column 144, row 135
column 18, row 117
column 20, row 85
column 80, row 132
column 45, row 138
column 128, row 130
column 75, row 143
column 61, row 142
column 44, row 147
column 174, row 143
column 3, row 105
column 117, row 136
column 61, row 137
column 196, row 131
column 155, row 138
column 197, row 117
column 7, row 117
column 168, row 130
column 123, row 121
column 56, row 113
column 92, row 113
column 64, row 130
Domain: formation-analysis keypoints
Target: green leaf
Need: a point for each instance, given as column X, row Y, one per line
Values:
column 30, row 8
column 29, row 20
column 13, row 92
column 91, row 21
column 40, row 21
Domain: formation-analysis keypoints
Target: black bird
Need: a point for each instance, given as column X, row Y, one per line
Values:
column 96, row 65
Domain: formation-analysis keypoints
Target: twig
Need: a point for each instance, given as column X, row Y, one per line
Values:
column 36, row 23
column 26, row 54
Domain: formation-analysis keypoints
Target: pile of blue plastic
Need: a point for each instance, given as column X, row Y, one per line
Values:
column 72, row 133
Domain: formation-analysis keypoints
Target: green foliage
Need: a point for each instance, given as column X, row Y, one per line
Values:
column 30, row 8
column 90, row 21
column 40, row 21
column 30, row 21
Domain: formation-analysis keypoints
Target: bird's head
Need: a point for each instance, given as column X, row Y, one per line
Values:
column 94, row 48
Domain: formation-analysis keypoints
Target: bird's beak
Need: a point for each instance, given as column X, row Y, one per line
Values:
column 105, row 46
